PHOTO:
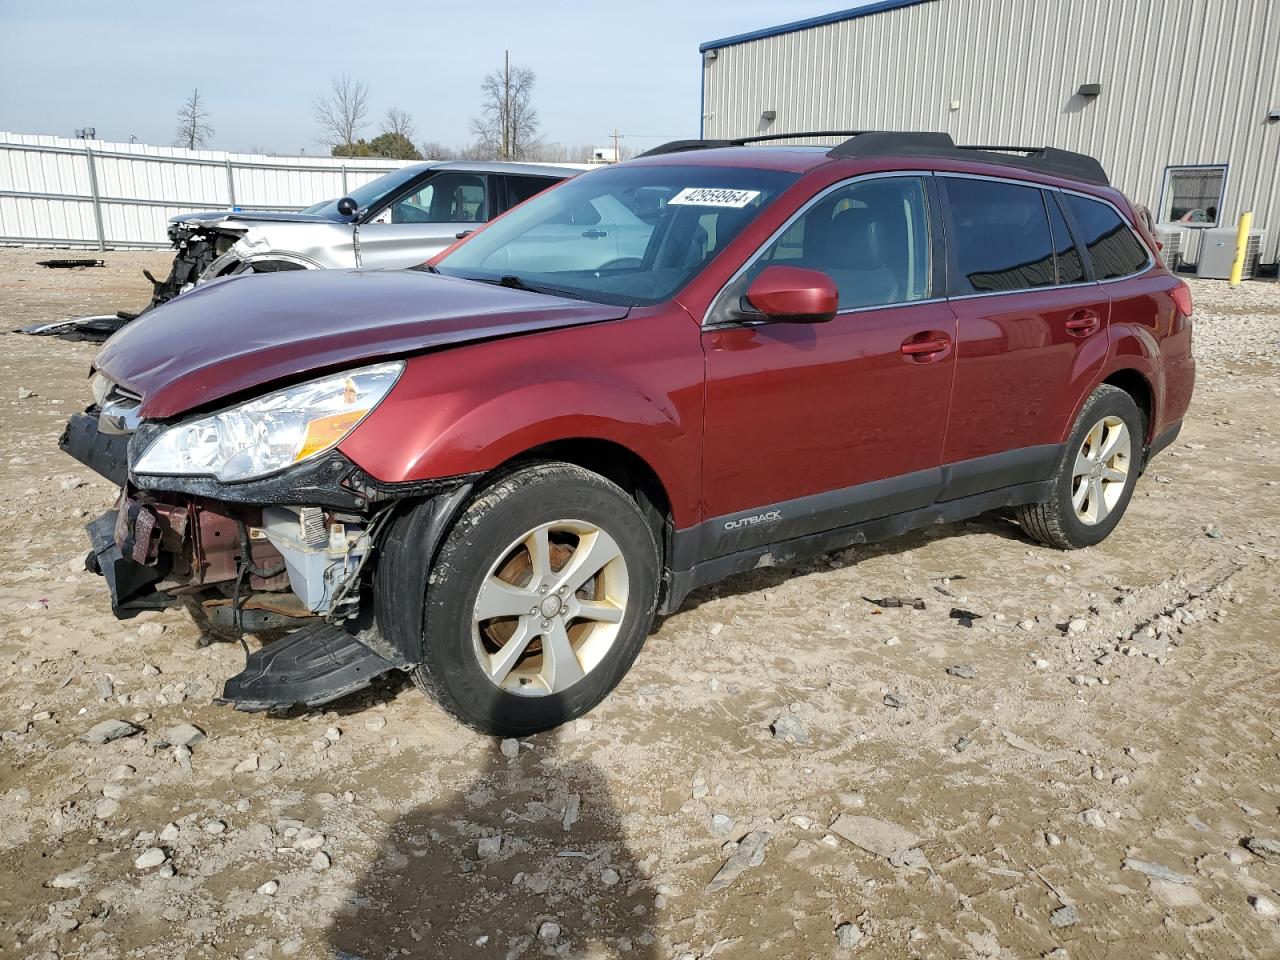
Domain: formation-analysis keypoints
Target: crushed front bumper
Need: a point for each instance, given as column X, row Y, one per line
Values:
column 131, row 584
column 173, row 538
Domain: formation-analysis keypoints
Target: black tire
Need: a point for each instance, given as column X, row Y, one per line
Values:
column 1053, row 521
column 450, row 671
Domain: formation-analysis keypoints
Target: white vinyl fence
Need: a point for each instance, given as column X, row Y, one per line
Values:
column 56, row 192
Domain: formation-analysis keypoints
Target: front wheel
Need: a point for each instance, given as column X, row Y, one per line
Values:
column 1095, row 475
column 538, row 601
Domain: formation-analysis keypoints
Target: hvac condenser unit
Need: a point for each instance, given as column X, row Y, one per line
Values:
column 1218, row 252
column 1172, row 240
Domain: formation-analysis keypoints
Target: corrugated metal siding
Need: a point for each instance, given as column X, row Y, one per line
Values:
column 1183, row 82
column 141, row 186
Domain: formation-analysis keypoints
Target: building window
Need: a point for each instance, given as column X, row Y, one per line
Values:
column 1193, row 195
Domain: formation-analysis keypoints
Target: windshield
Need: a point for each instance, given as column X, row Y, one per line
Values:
column 368, row 194
column 627, row 235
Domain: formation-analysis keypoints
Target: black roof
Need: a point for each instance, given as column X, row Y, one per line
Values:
column 879, row 143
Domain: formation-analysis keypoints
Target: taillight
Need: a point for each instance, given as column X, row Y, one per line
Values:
column 1182, row 298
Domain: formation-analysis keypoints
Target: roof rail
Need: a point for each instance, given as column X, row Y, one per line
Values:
column 680, row 146
column 1065, row 163
column 872, row 143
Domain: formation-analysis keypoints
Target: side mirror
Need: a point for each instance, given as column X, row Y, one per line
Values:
column 793, row 295
column 347, row 207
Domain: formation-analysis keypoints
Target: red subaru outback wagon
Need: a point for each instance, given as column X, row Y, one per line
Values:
column 492, row 471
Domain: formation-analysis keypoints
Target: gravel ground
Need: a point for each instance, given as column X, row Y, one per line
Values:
column 1091, row 769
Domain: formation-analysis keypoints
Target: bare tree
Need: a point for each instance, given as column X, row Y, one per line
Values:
column 507, row 127
column 342, row 114
column 193, row 123
column 398, row 122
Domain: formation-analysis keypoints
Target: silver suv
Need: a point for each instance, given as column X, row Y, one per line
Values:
column 398, row 220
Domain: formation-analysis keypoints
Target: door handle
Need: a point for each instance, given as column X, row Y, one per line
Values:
column 463, row 233
column 1083, row 322
column 595, row 234
column 926, row 346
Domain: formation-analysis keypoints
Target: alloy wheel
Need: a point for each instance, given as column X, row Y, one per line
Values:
column 550, row 608
column 1101, row 470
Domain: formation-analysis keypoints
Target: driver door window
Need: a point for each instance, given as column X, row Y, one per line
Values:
column 871, row 237
column 445, row 198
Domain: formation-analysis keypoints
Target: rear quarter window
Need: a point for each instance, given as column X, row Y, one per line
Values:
column 1113, row 247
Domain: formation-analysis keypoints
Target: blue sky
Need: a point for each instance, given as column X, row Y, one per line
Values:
column 124, row 67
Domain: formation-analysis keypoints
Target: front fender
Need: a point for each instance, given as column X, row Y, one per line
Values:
column 471, row 409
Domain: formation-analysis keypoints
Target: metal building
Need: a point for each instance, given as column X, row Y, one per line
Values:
column 1179, row 99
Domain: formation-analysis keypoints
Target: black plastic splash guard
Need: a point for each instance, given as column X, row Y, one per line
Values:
column 315, row 665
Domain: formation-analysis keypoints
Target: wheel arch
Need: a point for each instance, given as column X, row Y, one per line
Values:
column 615, row 462
column 1129, row 376
column 1134, row 383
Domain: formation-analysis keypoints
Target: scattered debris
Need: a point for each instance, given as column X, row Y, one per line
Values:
column 1065, row 916
column 749, row 853
column 1263, row 906
column 966, row 617
column 151, row 857
column 1264, row 847
column 109, row 730
column 71, row 263
column 965, row 671
column 789, row 728
column 890, row 603
column 1157, row 871
column 848, row 936
column 896, row 844
column 1094, row 818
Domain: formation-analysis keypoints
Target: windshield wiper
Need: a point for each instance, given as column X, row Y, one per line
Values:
column 518, row 283
column 515, row 283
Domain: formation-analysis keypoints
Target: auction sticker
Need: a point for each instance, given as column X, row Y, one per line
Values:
column 713, row 197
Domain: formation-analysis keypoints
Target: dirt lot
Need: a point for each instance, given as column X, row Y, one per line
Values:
column 1080, row 768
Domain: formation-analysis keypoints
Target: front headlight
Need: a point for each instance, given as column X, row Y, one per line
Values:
column 272, row 432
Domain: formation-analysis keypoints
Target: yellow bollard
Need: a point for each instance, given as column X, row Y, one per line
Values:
column 1242, row 242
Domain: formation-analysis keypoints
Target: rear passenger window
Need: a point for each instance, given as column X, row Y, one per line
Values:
column 1112, row 245
column 871, row 237
column 1000, row 236
column 1070, row 269
column 520, row 189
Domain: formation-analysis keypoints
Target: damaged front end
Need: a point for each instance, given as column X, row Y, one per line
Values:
column 198, row 246
column 291, row 551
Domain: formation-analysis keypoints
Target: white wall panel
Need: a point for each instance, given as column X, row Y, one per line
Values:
column 1183, row 82
column 46, row 191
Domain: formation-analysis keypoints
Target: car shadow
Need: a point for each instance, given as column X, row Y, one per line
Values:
column 527, row 858
column 996, row 523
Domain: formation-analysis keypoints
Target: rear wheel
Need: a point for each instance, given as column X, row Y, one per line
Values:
column 539, row 600
column 1095, row 475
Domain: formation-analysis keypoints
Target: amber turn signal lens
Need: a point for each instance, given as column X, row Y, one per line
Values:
column 326, row 431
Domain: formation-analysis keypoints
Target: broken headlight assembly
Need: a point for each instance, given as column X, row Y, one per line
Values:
column 272, row 432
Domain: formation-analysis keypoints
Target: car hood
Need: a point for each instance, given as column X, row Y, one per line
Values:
column 251, row 330
column 212, row 218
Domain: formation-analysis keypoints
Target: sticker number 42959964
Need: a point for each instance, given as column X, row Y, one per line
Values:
column 713, row 197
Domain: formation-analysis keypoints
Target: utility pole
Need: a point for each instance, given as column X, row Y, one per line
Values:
column 617, row 150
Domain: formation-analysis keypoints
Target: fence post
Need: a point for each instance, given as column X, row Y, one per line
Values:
column 93, row 192
column 345, row 191
column 231, row 186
